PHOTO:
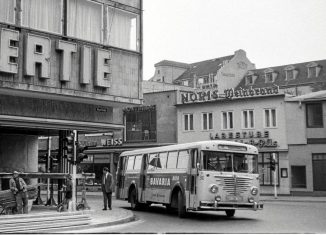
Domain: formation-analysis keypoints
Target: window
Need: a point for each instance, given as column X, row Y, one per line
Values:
column 122, row 29
column 270, row 118
column 266, row 175
column 298, row 176
column 185, row 83
column 172, row 160
column 312, row 72
column 269, row 78
column 248, row 119
column 183, row 159
column 207, row 121
column 84, row 20
column 43, row 15
column 188, row 122
column 154, row 161
column 138, row 161
column 158, row 71
column 289, row 74
column 227, row 120
column 314, row 113
column 7, row 11
column 249, row 80
column 163, row 157
column 130, row 163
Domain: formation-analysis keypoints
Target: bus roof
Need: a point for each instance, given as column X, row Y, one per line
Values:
column 206, row 144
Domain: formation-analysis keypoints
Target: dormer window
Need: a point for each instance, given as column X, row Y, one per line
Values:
column 185, row 83
column 270, row 76
column 249, row 80
column 313, row 70
column 158, row 71
column 290, row 73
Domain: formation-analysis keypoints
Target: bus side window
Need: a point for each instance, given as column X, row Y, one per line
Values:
column 183, row 159
column 130, row 164
column 172, row 160
column 152, row 165
column 194, row 158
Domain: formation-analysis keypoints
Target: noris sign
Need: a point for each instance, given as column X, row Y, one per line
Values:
column 210, row 95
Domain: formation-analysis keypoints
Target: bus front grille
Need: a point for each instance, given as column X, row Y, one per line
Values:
column 234, row 185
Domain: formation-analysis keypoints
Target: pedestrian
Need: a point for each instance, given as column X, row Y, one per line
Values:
column 19, row 189
column 68, row 196
column 107, row 188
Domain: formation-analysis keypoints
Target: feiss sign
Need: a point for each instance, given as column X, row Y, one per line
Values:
column 202, row 96
column 37, row 51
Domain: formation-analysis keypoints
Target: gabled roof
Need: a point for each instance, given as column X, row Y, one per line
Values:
column 302, row 76
column 204, row 68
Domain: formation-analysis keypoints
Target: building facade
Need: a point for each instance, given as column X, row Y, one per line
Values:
column 65, row 65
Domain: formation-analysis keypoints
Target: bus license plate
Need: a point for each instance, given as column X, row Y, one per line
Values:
column 233, row 198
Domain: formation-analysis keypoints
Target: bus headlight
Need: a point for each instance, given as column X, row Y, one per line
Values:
column 254, row 190
column 213, row 188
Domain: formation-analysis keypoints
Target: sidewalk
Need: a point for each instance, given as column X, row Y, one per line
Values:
column 289, row 198
column 99, row 218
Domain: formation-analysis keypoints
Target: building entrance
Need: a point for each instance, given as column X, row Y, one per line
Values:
column 319, row 171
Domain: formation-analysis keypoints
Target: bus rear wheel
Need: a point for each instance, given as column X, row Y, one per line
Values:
column 181, row 206
column 230, row 213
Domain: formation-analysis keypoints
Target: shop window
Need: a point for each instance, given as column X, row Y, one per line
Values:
column 298, row 176
column 314, row 113
column 248, row 119
column 264, row 169
column 123, row 29
column 7, row 11
column 227, row 120
column 84, row 20
column 141, row 125
column 188, row 122
column 183, row 159
column 207, row 121
column 172, row 160
column 270, row 118
column 43, row 15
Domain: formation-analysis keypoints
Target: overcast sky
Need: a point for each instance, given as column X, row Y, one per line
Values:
column 272, row 32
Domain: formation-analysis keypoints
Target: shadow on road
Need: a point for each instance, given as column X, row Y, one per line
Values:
column 196, row 216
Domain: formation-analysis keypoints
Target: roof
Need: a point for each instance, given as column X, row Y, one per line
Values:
column 172, row 63
column 301, row 79
column 313, row 96
column 204, row 68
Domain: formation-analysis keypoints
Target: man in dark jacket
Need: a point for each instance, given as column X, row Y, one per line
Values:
column 107, row 188
column 19, row 189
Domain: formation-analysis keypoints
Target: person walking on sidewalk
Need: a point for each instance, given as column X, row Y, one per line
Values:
column 19, row 189
column 107, row 188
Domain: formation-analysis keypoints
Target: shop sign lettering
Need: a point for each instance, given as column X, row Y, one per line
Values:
column 258, row 138
column 140, row 109
column 210, row 95
column 37, row 51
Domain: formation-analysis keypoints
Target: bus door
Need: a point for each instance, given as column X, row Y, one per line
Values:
column 193, row 178
column 121, row 178
column 142, row 180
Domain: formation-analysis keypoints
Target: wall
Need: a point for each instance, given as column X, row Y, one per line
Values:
column 166, row 115
column 230, row 75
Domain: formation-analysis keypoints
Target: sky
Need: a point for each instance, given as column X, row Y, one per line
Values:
column 272, row 32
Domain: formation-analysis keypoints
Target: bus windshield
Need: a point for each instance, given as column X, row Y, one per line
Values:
column 229, row 162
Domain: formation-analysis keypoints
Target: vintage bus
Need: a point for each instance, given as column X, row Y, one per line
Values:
column 208, row 175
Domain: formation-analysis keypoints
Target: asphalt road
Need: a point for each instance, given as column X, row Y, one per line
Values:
column 276, row 217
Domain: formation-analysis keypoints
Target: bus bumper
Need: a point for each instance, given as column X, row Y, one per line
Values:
column 211, row 205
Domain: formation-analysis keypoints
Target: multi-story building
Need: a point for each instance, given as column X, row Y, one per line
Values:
column 65, row 65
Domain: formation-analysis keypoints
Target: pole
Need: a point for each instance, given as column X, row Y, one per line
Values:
column 274, row 174
column 74, row 172
column 48, row 167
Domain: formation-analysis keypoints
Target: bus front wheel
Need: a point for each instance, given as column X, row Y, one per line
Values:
column 181, row 206
column 230, row 213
